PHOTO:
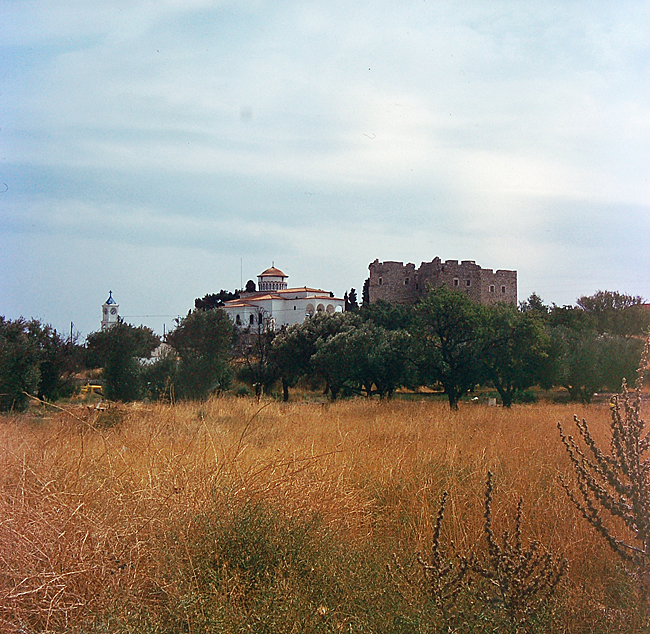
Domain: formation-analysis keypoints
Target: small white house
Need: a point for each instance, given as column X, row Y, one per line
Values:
column 274, row 305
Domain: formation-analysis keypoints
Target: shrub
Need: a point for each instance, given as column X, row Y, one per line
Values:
column 506, row 584
column 19, row 365
column 613, row 490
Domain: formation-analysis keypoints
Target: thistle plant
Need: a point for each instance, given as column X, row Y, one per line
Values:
column 441, row 576
column 613, row 489
column 520, row 578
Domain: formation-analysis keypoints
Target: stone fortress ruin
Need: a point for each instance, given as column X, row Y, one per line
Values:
column 400, row 283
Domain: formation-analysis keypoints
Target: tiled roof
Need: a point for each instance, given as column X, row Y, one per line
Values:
column 302, row 289
column 272, row 272
column 250, row 300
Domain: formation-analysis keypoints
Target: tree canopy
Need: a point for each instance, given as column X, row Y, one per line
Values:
column 118, row 350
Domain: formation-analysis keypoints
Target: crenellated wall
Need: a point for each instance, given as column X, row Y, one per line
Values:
column 400, row 283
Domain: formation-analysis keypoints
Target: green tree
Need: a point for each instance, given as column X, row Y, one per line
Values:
column 216, row 300
column 619, row 359
column 578, row 362
column 257, row 367
column 616, row 313
column 293, row 348
column 118, row 350
column 338, row 360
column 389, row 316
column 596, row 343
column 159, row 377
column 290, row 353
column 516, row 351
column 19, row 365
column 59, row 360
column 351, row 303
column 365, row 293
column 202, row 340
column 449, row 339
column 534, row 304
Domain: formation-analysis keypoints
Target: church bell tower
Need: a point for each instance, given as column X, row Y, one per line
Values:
column 110, row 312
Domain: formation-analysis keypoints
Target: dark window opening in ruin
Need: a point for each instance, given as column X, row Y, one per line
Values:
column 252, row 319
column 492, row 288
column 455, row 281
column 381, row 281
column 503, row 289
column 238, row 320
column 468, row 282
column 406, row 282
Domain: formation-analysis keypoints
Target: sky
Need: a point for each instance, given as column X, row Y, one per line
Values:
column 166, row 149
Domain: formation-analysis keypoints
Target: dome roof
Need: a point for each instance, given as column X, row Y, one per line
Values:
column 272, row 272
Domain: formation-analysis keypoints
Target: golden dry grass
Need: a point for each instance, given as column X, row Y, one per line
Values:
column 92, row 517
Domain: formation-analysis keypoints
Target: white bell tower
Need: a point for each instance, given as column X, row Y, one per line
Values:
column 110, row 312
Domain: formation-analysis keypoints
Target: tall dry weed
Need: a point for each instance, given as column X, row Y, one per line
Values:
column 101, row 526
column 613, row 489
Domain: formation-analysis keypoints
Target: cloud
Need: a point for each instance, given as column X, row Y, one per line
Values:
column 189, row 136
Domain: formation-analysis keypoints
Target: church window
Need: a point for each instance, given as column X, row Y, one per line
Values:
column 381, row 281
column 252, row 320
column 491, row 288
column 455, row 281
column 503, row 289
column 468, row 282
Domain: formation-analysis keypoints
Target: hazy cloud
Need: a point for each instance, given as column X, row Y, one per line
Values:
column 166, row 150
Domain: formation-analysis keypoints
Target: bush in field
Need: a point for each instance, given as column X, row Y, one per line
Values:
column 507, row 580
column 118, row 350
column 448, row 333
column 517, row 578
column 614, row 313
column 19, row 365
column 202, row 341
column 34, row 360
column 59, row 359
column 366, row 358
column 515, row 351
column 613, row 489
column 293, row 349
column 250, row 567
column 253, row 351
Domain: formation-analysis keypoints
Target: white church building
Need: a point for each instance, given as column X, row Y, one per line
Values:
column 274, row 305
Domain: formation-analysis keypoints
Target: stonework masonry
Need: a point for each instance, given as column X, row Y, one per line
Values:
column 400, row 283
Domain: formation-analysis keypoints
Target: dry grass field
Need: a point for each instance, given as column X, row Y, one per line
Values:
column 239, row 516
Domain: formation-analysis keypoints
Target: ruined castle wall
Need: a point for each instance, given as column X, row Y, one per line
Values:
column 392, row 282
column 506, row 286
column 403, row 284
